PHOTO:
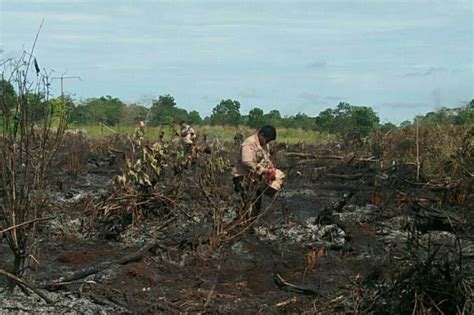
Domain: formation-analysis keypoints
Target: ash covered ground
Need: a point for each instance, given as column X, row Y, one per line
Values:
column 345, row 235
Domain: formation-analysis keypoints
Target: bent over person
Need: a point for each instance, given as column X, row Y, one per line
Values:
column 254, row 171
column 187, row 133
column 186, row 144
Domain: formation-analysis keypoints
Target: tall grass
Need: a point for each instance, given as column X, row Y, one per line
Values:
column 223, row 133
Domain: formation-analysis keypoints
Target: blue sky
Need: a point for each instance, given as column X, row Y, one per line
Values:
column 400, row 57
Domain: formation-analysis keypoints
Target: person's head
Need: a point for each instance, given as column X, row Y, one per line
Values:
column 266, row 134
column 182, row 123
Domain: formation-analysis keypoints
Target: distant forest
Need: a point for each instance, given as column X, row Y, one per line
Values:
column 112, row 111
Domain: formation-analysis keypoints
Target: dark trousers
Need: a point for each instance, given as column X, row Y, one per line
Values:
column 250, row 192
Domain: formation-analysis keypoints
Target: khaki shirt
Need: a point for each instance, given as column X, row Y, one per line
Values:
column 188, row 135
column 253, row 158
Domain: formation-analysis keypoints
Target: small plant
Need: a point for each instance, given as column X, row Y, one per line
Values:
column 138, row 191
column 145, row 162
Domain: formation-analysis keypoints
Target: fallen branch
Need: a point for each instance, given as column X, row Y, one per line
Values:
column 369, row 159
column 434, row 187
column 344, row 186
column 314, row 156
column 308, row 163
column 435, row 219
column 90, row 270
column 106, row 301
column 26, row 223
column 344, row 176
column 22, row 282
column 285, row 285
column 350, row 158
column 286, row 302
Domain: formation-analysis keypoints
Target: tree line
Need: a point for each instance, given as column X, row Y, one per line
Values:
column 343, row 119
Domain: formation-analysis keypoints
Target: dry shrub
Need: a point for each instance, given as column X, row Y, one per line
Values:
column 214, row 184
column 27, row 149
column 72, row 158
column 103, row 146
column 444, row 152
column 435, row 284
column 138, row 192
column 230, row 215
column 161, row 179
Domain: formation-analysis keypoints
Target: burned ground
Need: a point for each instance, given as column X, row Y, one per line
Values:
column 346, row 235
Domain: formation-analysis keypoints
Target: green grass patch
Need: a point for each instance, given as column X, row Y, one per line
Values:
column 223, row 133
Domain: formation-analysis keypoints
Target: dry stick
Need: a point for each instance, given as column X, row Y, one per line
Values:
column 314, row 156
column 249, row 222
column 470, row 173
column 26, row 223
column 344, row 176
column 33, row 47
column 213, row 288
column 285, row 285
column 232, row 226
column 433, row 186
column 106, row 126
column 417, row 152
column 239, row 221
column 26, row 284
column 287, row 302
column 25, row 75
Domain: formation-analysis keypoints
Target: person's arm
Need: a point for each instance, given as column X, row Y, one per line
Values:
column 267, row 168
column 184, row 132
column 191, row 132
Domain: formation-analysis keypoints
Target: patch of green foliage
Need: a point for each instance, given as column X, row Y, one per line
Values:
column 223, row 133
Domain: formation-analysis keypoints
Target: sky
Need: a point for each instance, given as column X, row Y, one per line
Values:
column 402, row 58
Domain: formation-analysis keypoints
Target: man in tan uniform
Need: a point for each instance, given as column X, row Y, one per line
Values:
column 254, row 166
column 186, row 150
column 187, row 133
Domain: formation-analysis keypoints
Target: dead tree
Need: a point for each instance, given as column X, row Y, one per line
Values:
column 28, row 144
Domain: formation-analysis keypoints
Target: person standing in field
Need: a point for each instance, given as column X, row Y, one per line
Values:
column 187, row 133
column 187, row 141
column 238, row 138
column 255, row 168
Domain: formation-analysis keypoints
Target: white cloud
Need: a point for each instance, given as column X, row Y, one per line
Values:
column 401, row 105
column 248, row 93
column 310, row 96
column 425, row 71
column 317, row 65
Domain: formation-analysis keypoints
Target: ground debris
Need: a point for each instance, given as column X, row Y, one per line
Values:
column 90, row 270
column 309, row 232
column 342, row 237
column 65, row 302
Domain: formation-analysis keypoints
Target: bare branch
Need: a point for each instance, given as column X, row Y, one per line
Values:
column 26, row 223
column 26, row 284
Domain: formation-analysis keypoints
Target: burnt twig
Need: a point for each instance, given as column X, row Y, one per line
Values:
column 285, row 285
column 26, row 223
column 23, row 283
column 90, row 270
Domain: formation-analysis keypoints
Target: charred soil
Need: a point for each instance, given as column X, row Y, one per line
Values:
column 346, row 235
